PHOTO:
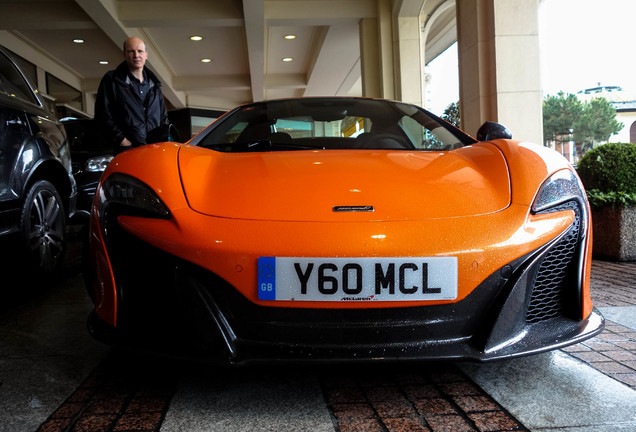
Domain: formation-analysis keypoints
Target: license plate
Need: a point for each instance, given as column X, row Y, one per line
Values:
column 357, row 279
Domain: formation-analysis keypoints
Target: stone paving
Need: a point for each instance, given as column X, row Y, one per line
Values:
column 613, row 352
column 427, row 397
column 613, row 283
column 446, row 400
column 437, row 398
column 117, row 397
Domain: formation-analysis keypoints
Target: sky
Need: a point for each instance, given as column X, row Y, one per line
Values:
column 582, row 43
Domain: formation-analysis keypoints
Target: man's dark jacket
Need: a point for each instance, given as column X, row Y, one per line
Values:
column 121, row 113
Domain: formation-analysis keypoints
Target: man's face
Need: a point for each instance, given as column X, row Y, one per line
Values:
column 136, row 54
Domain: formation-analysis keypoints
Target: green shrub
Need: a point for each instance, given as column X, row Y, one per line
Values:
column 609, row 168
column 608, row 172
column 600, row 199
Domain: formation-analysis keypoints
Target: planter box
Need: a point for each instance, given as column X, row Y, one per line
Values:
column 614, row 233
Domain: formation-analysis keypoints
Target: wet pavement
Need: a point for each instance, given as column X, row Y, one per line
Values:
column 55, row 377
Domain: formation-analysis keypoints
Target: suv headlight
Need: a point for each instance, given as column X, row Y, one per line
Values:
column 97, row 163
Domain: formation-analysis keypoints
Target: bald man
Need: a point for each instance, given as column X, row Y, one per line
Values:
column 130, row 107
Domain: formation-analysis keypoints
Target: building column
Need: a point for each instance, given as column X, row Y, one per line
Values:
column 376, row 53
column 407, row 46
column 499, row 73
column 390, row 47
column 88, row 100
column 370, row 70
column 409, row 72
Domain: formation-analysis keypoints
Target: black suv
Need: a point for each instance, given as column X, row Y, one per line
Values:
column 37, row 189
column 91, row 154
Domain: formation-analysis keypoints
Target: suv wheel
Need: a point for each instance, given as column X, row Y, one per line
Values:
column 43, row 227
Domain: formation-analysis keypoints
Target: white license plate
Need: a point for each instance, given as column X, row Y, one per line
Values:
column 357, row 279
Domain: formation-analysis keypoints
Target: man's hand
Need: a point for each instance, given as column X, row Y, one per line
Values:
column 125, row 143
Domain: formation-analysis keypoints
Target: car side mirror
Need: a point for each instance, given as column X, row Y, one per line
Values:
column 491, row 130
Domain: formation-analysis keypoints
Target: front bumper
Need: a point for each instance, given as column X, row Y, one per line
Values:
column 528, row 306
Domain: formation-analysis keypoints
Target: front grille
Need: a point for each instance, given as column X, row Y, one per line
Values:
column 374, row 329
column 547, row 299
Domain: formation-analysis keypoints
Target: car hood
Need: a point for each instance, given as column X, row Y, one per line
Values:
column 341, row 185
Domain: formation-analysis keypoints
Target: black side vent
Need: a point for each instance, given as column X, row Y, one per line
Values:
column 547, row 300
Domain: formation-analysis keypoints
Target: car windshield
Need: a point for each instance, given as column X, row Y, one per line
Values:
column 84, row 134
column 330, row 123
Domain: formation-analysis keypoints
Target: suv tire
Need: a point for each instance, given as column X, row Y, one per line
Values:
column 43, row 227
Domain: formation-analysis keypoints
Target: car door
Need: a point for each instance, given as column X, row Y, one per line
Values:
column 15, row 140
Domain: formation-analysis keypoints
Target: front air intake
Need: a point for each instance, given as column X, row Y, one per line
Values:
column 550, row 285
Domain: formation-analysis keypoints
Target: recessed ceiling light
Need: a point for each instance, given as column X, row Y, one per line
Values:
column 287, row 59
column 206, row 60
column 78, row 41
column 290, row 36
column 196, row 38
column 103, row 62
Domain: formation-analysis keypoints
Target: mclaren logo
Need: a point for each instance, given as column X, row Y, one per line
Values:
column 340, row 209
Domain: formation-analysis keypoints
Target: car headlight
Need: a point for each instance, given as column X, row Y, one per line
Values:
column 98, row 163
column 562, row 186
column 124, row 194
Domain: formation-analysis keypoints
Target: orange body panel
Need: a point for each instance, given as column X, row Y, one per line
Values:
column 587, row 270
column 306, row 185
column 230, row 248
column 104, row 285
column 500, row 229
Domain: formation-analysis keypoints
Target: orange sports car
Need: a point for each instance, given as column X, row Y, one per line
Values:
column 339, row 229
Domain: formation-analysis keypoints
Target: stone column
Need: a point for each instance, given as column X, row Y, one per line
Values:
column 370, row 58
column 390, row 52
column 499, row 73
column 376, row 53
column 409, row 71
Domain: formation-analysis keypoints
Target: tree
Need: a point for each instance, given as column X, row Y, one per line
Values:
column 596, row 123
column 560, row 114
column 451, row 114
column 590, row 122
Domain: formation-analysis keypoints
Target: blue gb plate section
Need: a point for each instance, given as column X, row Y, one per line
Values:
column 267, row 278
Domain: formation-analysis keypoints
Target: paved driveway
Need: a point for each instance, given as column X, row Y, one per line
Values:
column 55, row 377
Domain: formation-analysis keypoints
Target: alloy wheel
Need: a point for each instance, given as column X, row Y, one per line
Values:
column 44, row 227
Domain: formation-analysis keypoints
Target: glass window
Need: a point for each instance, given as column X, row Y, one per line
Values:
column 12, row 83
column 63, row 93
column 198, row 123
column 307, row 127
column 330, row 123
column 232, row 135
column 423, row 138
column 26, row 67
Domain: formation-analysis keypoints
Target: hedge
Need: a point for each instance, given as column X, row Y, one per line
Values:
column 608, row 173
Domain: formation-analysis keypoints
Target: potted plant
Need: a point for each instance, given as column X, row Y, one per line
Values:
column 608, row 172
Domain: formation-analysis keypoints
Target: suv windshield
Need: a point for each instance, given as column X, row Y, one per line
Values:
column 330, row 123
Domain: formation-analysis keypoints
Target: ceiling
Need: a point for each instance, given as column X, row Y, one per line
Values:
column 244, row 39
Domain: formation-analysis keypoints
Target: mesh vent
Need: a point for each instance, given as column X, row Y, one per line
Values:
column 547, row 300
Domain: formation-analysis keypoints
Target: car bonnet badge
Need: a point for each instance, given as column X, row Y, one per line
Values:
column 353, row 209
